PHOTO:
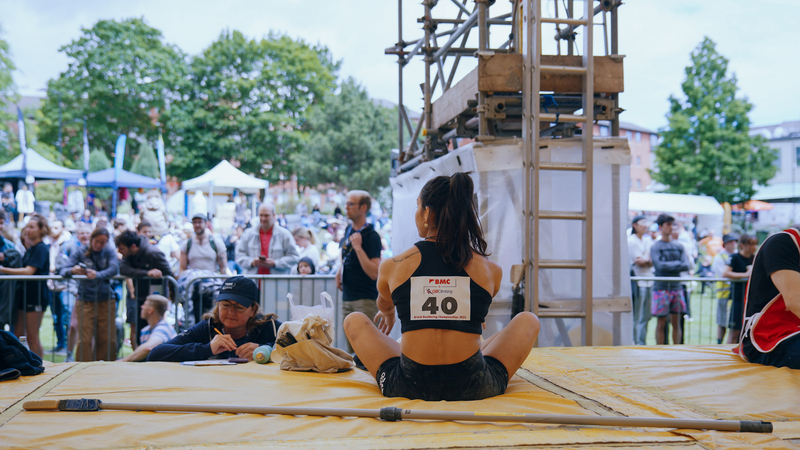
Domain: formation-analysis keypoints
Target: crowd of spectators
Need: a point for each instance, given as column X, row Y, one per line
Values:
column 143, row 243
column 666, row 247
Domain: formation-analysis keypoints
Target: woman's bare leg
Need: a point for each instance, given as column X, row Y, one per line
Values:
column 660, row 326
column 512, row 344
column 677, row 333
column 372, row 347
column 33, row 320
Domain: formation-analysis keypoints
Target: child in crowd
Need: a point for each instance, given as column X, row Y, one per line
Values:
column 306, row 266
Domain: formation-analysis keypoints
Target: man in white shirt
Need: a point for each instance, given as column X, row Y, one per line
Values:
column 166, row 243
column 75, row 201
column 639, row 243
column 25, row 201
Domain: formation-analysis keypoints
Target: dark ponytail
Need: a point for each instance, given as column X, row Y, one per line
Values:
column 455, row 214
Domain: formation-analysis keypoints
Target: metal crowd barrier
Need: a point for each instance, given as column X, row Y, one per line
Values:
column 305, row 289
column 106, row 325
column 94, row 319
column 700, row 323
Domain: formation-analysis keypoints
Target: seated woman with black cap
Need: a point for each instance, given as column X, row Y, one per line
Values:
column 441, row 289
column 233, row 328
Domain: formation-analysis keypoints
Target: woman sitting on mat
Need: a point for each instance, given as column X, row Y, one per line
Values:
column 441, row 288
column 233, row 328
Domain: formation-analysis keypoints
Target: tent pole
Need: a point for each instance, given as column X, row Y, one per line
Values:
column 114, row 203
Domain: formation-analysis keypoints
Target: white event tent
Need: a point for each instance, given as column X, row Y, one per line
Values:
column 223, row 179
column 39, row 167
column 708, row 210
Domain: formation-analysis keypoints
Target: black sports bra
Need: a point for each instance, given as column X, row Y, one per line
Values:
column 439, row 296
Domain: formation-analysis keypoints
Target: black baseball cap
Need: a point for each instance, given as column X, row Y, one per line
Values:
column 729, row 237
column 240, row 290
column 637, row 218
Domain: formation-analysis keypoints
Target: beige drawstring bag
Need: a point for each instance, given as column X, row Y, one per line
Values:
column 313, row 350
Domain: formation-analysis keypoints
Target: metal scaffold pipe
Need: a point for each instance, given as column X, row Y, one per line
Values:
column 464, row 27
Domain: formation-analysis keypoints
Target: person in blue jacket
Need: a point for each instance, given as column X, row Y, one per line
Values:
column 233, row 328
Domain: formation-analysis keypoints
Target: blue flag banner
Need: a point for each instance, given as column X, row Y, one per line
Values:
column 162, row 168
column 85, row 148
column 23, row 148
column 119, row 156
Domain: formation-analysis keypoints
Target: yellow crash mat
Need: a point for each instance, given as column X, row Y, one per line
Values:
column 685, row 382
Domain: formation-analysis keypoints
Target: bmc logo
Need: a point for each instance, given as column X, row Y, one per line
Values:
column 438, row 281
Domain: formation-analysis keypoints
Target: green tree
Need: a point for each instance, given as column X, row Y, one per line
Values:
column 147, row 162
column 7, row 91
column 121, row 77
column 248, row 100
column 7, row 94
column 706, row 148
column 32, row 117
column 348, row 142
column 98, row 160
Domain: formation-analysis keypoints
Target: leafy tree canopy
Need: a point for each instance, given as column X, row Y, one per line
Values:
column 348, row 142
column 121, row 76
column 706, row 148
column 147, row 162
column 98, row 161
column 7, row 91
column 7, row 94
column 247, row 100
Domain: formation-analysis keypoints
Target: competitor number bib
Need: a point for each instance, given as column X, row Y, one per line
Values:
column 440, row 298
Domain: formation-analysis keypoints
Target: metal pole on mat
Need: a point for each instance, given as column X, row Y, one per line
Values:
column 392, row 414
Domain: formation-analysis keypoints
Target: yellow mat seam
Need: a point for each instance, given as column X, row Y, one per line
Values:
column 469, row 440
column 40, row 392
column 585, row 402
column 647, row 388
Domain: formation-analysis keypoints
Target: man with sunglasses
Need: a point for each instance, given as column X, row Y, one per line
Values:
column 233, row 328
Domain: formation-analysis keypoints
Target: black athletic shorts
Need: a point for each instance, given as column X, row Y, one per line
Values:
column 476, row 378
column 32, row 296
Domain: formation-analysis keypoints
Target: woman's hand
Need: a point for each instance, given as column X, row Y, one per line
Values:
column 78, row 270
column 246, row 350
column 91, row 274
column 385, row 320
column 223, row 343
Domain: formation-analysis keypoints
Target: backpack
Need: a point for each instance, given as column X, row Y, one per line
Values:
column 210, row 240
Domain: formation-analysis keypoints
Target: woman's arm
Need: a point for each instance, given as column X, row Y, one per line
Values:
column 113, row 266
column 191, row 345
column 387, row 313
column 28, row 270
column 788, row 283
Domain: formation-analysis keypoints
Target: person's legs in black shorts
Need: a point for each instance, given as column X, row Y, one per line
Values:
column 476, row 378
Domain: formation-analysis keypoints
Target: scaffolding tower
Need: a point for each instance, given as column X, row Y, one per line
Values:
column 515, row 90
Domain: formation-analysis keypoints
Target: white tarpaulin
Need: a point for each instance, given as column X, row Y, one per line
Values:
column 674, row 203
column 224, row 178
column 499, row 177
column 707, row 209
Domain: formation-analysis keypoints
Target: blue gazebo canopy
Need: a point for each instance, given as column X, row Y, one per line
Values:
column 105, row 178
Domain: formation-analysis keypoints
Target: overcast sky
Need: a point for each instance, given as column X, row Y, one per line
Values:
column 759, row 38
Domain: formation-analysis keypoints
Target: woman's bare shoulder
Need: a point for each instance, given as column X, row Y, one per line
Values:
column 487, row 264
column 407, row 255
column 398, row 268
column 486, row 273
